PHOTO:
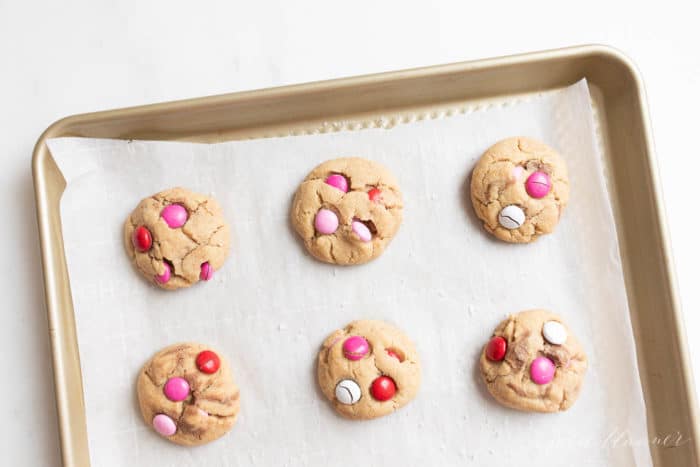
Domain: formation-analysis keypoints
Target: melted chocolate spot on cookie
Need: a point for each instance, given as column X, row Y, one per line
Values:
column 559, row 355
column 370, row 225
column 517, row 355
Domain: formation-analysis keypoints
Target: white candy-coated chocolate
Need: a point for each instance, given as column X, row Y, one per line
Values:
column 554, row 332
column 511, row 217
column 348, row 392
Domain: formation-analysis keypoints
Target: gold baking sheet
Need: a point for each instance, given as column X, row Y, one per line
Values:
column 619, row 100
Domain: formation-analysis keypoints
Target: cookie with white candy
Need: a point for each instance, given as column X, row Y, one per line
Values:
column 519, row 189
column 368, row 369
column 532, row 362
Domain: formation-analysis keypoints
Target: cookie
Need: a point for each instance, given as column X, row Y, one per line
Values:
column 534, row 363
column 519, row 189
column 176, row 238
column 368, row 369
column 347, row 210
column 187, row 394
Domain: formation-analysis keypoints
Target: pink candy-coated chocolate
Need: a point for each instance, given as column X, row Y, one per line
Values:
column 517, row 172
column 338, row 181
column 164, row 425
column 176, row 389
column 362, row 231
column 538, row 184
column 165, row 277
column 542, row 370
column 355, row 348
column 326, row 222
column 175, row 215
column 206, row 272
column 203, row 413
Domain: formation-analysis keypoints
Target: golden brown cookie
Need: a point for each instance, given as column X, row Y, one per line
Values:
column 176, row 238
column 347, row 210
column 519, row 188
column 534, row 363
column 187, row 394
column 368, row 369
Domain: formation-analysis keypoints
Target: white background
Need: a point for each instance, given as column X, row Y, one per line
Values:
column 61, row 58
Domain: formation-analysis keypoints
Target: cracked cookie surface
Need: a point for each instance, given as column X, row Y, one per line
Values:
column 368, row 369
column 519, row 189
column 534, row 363
column 206, row 399
column 176, row 238
column 347, row 210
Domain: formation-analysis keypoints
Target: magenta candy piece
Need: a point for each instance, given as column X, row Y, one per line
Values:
column 538, row 184
column 165, row 277
column 326, row 222
column 176, row 389
column 338, row 181
column 542, row 370
column 175, row 215
column 164, row 425
column 206, row 272
column 355, row 348
column 362, row 231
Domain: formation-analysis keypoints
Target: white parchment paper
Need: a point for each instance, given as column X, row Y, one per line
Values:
column 443, row 280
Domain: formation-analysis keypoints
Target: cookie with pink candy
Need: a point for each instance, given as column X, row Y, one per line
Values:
column 368, row 369
column 347, row 210
column 519, row 189
column 533, row 362
column 176, row 238
column 187, row 394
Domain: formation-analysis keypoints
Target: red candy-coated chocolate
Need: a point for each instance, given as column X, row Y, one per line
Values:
column 496, row 349
column 142, row 239
column 208, row 362
column 374, row 194
column 383, row 388
column 393, row 354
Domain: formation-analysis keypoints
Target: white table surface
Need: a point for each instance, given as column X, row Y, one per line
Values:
column 62, row 58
